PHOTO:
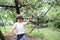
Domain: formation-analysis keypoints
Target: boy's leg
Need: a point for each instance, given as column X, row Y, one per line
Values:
column 24, row 37
column 17, row 37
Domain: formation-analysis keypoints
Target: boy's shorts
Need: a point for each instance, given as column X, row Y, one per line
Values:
column 21, row 36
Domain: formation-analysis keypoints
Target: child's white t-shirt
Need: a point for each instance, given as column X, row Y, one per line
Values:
column 19, row 27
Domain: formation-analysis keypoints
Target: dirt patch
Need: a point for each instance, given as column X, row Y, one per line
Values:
column 32, row 38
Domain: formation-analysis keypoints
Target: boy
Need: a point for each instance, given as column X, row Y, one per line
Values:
column 19, row 27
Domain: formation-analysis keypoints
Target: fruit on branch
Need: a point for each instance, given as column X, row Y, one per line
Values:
column 30, row 6
column 19, row 2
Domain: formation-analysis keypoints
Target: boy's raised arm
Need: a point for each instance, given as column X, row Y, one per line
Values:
column 27, row 21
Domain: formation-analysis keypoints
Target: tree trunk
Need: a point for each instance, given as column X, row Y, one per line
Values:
column 2, row 36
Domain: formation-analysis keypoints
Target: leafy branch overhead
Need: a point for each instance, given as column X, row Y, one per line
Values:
column 37, row 9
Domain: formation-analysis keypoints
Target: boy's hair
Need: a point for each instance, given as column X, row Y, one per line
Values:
column 19, row 17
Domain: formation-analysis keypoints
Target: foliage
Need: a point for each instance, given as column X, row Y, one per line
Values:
column 34, row 8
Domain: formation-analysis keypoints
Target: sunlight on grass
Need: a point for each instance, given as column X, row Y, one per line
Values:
column 45, row 32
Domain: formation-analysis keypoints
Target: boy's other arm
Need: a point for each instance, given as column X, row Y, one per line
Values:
column 12, row 29
column 10, row 33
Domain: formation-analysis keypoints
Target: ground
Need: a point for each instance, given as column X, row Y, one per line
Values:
column 41, row 34
column 27, row 38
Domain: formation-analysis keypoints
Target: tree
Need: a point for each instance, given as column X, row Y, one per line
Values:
column 2, row 36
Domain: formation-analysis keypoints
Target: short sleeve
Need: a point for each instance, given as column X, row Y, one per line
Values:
column 15, row 25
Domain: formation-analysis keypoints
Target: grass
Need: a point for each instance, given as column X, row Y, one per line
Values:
column 47, row 33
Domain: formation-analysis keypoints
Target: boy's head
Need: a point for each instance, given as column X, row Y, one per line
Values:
column 19, row 18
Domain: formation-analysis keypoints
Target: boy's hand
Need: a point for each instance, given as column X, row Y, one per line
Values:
column 29, row 18
column 9, row 34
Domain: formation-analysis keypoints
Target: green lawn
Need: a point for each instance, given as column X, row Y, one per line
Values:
column 47, row 33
